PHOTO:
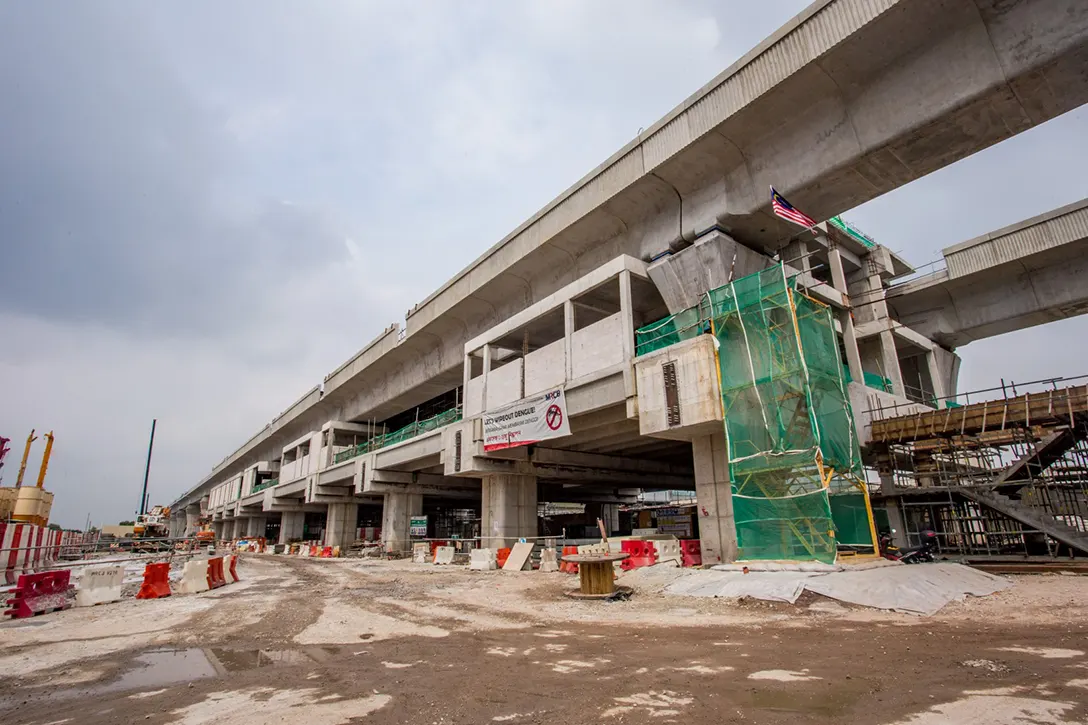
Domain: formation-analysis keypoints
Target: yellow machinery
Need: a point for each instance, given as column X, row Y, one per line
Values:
column 26, row 454
column 33, row 503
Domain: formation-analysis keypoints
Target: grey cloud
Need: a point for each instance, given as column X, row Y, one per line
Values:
column 114, row 185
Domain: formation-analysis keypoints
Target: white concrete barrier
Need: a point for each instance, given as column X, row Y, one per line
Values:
column 230, row 562
column 444, row 555
column 483, row 560
column 421, row 553
column 194, row 577
column 668, row 551
column 548, row 560
column 99, row 585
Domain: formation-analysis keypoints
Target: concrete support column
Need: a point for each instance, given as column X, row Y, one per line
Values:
column 508, row 509
column 846, row 317
column 795, row 254
column 219, row 529
column 717, row 530
column 610, row 515
column 291, row 526
column 935, row 378
column 568, row 332
column 237, row 528
column 340, row 524
column 487, row 372
column 397, row 510
column 895, row 514
column 192, row 520
column 627, row 315
column 255, row 526
column 890, row 358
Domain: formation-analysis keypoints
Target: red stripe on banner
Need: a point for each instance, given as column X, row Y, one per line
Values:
column 510, row 444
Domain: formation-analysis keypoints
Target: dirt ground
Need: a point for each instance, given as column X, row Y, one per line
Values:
column 324, row 642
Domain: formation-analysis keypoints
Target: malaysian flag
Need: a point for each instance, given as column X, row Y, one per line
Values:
column 785, row 210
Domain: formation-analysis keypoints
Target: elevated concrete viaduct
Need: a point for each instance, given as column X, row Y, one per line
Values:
column 1026, row 274
column 850, row 99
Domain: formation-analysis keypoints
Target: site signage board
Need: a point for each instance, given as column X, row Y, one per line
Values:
column 527, row 421
column 417, row 526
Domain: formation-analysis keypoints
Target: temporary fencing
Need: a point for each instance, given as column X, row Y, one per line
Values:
column 548, row 560
column 100, row 585
column 569, row 566
column 691, row 552
column 25, row 548
column 194, row 577
column 232, row 569
column 667, row 550
column 482, row 559
column 639, row 553
column 216, row 577
column 156, row 582
column 39, row 593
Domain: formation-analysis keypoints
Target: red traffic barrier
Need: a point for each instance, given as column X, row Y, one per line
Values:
column 326, row 553
column 691, row 552
column 215, row 573
column 234, row 568
column 156, row 582
column 569, row 566
column 501, row 556
column 640, row 553
column 39, row 593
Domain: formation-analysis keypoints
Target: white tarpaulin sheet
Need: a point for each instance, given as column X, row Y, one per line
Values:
column 775, row 586
column 917, row 589
column 527, row 421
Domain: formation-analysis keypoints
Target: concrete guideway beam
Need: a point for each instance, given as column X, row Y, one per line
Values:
column 584, row 471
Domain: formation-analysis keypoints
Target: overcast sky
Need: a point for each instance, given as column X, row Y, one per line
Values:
column 206, row 207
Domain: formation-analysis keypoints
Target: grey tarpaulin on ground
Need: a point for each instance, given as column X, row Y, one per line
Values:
column 921, row 589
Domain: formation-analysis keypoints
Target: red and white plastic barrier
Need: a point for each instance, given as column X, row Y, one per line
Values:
column 25, row 548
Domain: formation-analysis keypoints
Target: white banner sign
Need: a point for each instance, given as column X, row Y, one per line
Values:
column 527, row 421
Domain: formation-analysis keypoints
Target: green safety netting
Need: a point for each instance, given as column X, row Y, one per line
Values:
column 400, row 435
column 794, row 460
column 683, row 325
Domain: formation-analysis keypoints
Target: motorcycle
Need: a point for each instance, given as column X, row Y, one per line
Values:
column 926, row 551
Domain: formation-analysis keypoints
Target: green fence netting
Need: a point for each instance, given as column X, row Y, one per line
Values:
column 400, row 435
column 794, row 460
column 683, row 325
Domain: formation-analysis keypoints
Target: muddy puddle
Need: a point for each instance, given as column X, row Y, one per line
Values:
column 167, row 667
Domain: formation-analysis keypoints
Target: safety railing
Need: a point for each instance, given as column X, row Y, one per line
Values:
column 265, row 484
column 400, row 435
